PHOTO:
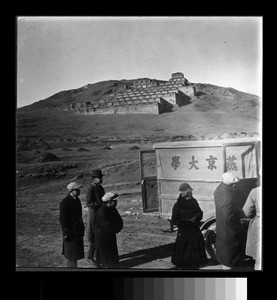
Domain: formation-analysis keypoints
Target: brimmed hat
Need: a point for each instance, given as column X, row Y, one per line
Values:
column 184, row 187
column 97, row 173
column 109, row 196
column 229, row 178
column 73, row 186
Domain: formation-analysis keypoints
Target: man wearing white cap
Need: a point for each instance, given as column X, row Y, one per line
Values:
column 108, row 223
column 229, row 247
column 72, row 225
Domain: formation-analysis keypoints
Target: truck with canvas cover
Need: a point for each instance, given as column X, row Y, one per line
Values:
column 200, row 164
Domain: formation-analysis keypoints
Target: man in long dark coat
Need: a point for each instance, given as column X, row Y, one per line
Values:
column 94, row 196
column 229, row 246
column 189, row 249
column 108, row 223
column 72, row 225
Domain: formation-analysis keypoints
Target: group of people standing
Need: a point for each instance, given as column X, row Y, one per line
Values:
column 189, row 251
column 230, row 246
column 104, row 222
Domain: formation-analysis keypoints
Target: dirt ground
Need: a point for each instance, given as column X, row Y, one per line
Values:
column 142, row 243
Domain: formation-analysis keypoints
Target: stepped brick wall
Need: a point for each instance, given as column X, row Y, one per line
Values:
column 145, row 96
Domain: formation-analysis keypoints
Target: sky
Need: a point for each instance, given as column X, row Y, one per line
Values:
column 62, row 53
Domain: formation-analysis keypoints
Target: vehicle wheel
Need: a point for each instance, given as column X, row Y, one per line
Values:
column 210, row 243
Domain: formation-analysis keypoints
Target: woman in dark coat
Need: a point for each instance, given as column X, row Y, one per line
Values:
column 94, row 196
column 108, row 223
column 229, row 246
column 189, row 250
column 72, row 225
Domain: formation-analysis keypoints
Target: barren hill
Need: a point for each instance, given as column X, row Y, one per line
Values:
column 89, row 92
column 213, row 110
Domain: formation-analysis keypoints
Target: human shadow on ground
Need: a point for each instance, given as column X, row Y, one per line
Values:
column 143, row 256
column 246, row 265
column 211, row 262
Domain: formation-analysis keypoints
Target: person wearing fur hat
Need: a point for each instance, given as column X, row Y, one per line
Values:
column 229, row 245
column 108, row 223
column 94, row 196
column 189, row 249
column 70, row 217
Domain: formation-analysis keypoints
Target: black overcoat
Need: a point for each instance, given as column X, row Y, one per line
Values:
column 108, row 223
column 94, row 196
column 229, row 244
column 72, row 227
column 189, row 249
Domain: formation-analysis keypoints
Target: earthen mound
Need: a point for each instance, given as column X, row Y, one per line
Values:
column 81, row 149
column 23, row 148
column 226, row 136
column 47, row 147
column 108, row 147
column 68, row 140
column 134, row 148
column 48, row 157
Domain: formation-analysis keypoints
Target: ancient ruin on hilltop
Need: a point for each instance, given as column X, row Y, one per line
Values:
column 144, row 96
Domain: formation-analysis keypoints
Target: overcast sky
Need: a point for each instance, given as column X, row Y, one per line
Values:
column 62, row 53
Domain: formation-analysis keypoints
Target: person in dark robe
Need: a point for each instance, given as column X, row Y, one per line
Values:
column 94, row 196
column 70, row 217
column 229, row 244
column 189, row 249
column 108, row 223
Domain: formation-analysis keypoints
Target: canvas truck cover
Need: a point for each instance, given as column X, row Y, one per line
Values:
column 201, row 164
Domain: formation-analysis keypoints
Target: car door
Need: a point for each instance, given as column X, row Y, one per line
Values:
column 149, row 187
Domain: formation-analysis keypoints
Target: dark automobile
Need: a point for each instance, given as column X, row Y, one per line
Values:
column 208, row 228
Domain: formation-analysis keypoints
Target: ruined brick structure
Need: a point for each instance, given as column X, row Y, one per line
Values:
column 145, row 96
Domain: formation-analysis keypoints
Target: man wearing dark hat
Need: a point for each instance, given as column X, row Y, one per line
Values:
column 93, row 201
column 72, row 225
column 189, row 249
